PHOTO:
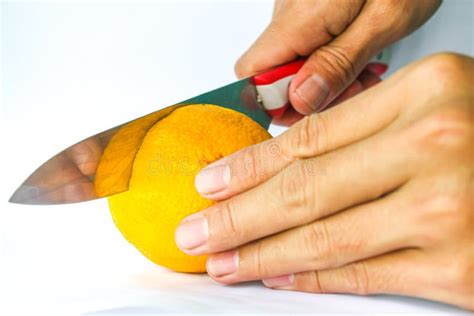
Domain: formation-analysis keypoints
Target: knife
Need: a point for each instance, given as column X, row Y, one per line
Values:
column 68, row 177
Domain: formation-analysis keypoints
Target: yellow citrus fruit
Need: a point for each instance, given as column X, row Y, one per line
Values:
column 161, row 178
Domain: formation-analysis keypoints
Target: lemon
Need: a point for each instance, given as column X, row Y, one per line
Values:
column 160, row 181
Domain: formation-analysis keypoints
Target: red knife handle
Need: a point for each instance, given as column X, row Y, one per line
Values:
column 272, row 86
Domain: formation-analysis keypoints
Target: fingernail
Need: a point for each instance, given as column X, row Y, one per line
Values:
column 377, row 68
column 189, row 218
column 313, row 92
column 281, row 281
column 223, row 263
column 212, row 179
column 193, row 233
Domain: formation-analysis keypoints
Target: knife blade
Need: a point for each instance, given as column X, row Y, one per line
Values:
column 68, row 177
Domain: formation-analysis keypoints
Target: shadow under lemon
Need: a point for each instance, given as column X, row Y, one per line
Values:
column 157, row 158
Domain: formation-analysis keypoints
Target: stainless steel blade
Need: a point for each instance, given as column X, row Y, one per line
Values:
column 69, row 176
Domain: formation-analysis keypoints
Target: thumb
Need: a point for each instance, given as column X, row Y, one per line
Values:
column 327, row 73
column 332, row 67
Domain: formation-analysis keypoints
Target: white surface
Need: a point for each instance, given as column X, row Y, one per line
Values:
column 71, row 70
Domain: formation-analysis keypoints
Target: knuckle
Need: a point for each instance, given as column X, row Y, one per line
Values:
column 357, row 278
column 446, row 72
column 447, row 63
column 242, row 68
column 344, row 245
column 317, row 245
column 248, row 64
column 310, row 136
column 442, row 213
column 449, row 128
column 224, row 220
column 461, row 275
column 311, row 282
column 228, row 219
column 437, row 205
column 247, row 164
column 305, row 138
column 336, row 61
column 258, row 257
column 274, row 157
column 259, row 268
column 296, row 191
column 457, row 214
column 389, row 18
column 334, row 24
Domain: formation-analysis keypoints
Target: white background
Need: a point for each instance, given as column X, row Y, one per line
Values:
column 70, row 70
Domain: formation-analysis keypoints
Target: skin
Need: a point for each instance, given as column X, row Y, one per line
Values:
column 339, row 38
column 371, row 196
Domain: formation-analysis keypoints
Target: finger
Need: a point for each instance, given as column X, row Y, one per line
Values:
column 376, row 68
column 353, row 89
column 410, row 272
column 333, row 67
column 271, row 49
column 365, row 80
column 331, row 242
column 355, row 119
column 306, row 190
column 399, row 272
column 368, row 78
column 289, row 117
column 297, row 29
